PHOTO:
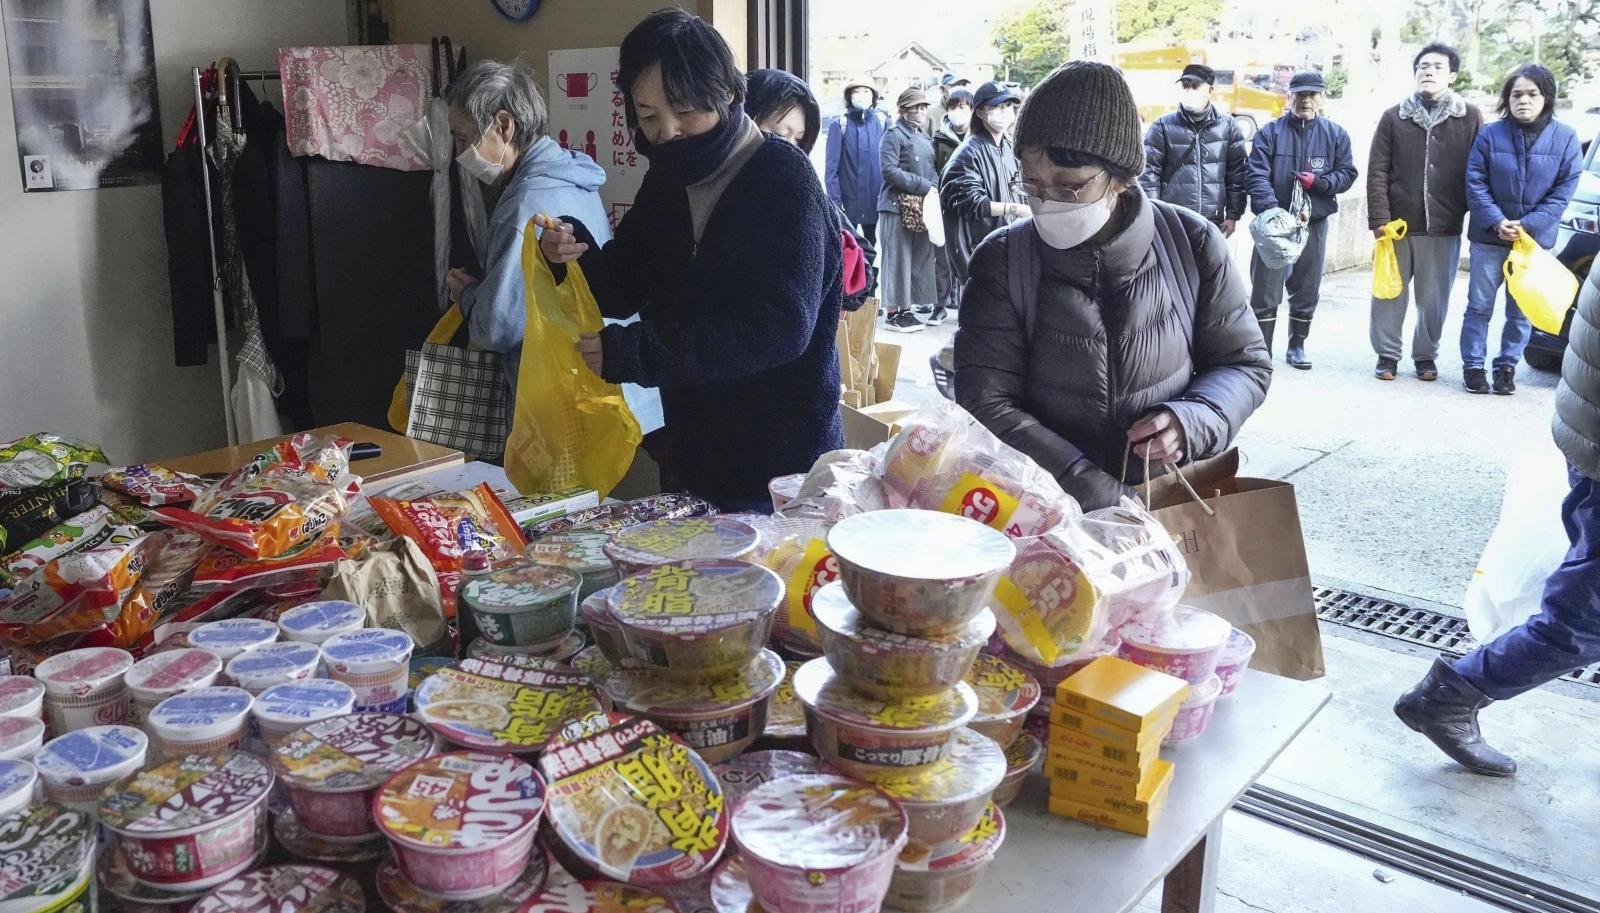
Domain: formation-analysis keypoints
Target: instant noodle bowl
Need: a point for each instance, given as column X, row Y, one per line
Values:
column 1186, row 643
column 560, row 652
column 498, row 706
column 1022, row 758
column 719, row 718
column 127, row 895
column 315, row 622
column 21, row 695
column 375, row 663
column 18, row 782
column 784, row 489
column 1051, row 677
column 945, row 800
column 286, row 889
column 162, row 675
column 581, row 552
column 786, row 721
column 191, row 822
column 1194, row 714
column 401, row 896
column 819, row 843
column 282, row 709
column 199, row 721
column 744, row 773
column 274, row 664
column 522, row 605
column 231, row 636
column 730, row 889
column 859, row 733
column 20, row 737
column 332, row 769
column 944, row 879
column 632, row 802
column 462, row 824
column 49, row 860
column 594, row 896
column 595, row 612
column 646, row 545
column 303, row 844
column 85, row 687
column 697, row 621
column 919, row 572
column 77, row 766
column 889, row 666
column 1006, row 695
column 1234, row 660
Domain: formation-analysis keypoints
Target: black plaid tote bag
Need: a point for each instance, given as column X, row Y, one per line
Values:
column 459, row 399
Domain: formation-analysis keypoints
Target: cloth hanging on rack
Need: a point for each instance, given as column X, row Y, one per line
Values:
column 352, row 104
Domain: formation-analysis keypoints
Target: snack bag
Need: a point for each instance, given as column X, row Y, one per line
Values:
column 1049, row 611
column 43, row 459
column 805, row 564
column 612, row 517
column 35, row 511
column 155, row 486
column 84, row 531
column 283, row 498
column 448, row 526
column 128, row 509
column 226, row 569
column 842, row 483
column 1130, row 557
column 81, row 588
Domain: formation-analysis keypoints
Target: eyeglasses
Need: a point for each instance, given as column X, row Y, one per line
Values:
column 1055, row 193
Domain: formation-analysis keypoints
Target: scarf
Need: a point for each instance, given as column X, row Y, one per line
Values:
column 1450, row 105
column 693, row 158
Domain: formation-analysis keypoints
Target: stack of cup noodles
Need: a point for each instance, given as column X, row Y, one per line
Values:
column 22, row 728
column 170, row 672
column 501, row 705
column 375, row 663
column 1187, row 643
column 332, row 769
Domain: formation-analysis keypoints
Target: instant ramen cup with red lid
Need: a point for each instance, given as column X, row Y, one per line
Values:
column 77, row 766
column 890, row 666
column 162, row 675
column 1186, row 643
column 945, row 800
column 919, row 572
column 496, row 706
column 819, row 843
column 332, row 769
column 719, row 719
column 931, row 882
column 21, row 696
column 656, row 542
column 49, row 860
column 697, row 621
column 20, row 737
column 462, row 824
column 286, row 889
column 401, row 896
column 1022, row 758
column 85, row 688
column 858, row 734
column 191, row 822
column 1006, row 695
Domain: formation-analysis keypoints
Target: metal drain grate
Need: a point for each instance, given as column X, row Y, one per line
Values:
column 1410, row 624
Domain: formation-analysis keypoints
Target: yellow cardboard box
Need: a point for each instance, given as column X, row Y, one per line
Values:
column 1139, row 756
column 1148, row 804
column 1122, row 694
column 1094, row 773
column 1137, row 825
column 1063, row 720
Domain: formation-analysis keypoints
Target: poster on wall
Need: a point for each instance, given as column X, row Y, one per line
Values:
column 83, row 88
column 586, row 116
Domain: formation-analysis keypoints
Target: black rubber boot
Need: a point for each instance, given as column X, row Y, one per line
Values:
column 1444, row 707
column 1267, row 326
column 1295, row 355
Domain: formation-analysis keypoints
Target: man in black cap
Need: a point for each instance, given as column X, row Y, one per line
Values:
column 1195, row 156
column 1306, row 149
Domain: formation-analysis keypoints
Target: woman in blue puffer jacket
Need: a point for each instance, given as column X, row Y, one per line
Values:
column 1521, row 174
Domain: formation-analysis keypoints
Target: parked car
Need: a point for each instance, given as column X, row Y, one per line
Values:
column 1577, row 243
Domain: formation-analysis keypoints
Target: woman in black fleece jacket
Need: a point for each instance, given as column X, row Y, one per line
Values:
column 730, row 257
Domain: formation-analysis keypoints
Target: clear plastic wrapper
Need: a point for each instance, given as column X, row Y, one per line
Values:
column 43, row 459
column 612, row 517
column 81, row 587
column 842, row 483
column 449, row 525
column 155, row 486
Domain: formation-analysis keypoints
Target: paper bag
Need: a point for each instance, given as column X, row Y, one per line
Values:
column 398, row 588
column 1247, row 560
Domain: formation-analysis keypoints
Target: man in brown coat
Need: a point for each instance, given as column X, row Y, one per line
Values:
column 1417, row 172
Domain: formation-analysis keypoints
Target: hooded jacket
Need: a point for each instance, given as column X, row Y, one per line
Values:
column 854, row 173
column 1290, row 145
column 1509, row 178
column 980, row 173
column 1197, row 161
column 1109, row 340
column 1577, row 421
column 1417, row 170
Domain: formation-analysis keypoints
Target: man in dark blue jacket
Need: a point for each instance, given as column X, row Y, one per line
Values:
column 854, row 173
column 1301, row 147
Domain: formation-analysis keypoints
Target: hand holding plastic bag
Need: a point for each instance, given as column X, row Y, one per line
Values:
column 1387, row 283
column 1543, row 286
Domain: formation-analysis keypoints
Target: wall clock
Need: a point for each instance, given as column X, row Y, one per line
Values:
column 517, row 10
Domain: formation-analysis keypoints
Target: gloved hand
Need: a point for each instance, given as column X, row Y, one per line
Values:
column 1306, row 178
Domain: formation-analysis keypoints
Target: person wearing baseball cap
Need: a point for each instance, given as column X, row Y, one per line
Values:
column 908, row 275
column 976, row 187
column 1195, row 156
column 1306, row 150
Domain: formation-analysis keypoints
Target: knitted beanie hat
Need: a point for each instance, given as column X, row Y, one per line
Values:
column 1087, row 107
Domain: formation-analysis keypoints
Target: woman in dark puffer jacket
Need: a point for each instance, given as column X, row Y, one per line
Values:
column 1109, row 328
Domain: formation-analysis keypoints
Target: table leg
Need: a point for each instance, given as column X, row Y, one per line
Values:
column 1191, row 886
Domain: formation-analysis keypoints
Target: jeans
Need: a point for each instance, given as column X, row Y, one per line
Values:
column 1565, row 635
column 1484, row 282
column 1428, row 266
column 1303, row 279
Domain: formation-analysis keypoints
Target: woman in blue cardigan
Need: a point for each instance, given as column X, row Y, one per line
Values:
column 1521, row 174
column 730, row 257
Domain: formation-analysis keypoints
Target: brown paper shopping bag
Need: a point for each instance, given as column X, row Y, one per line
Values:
column 1247, row 560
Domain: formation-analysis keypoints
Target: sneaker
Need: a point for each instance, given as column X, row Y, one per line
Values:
column 938, row 316
column 904, row 322
column 1386, row 369
column 1505, row 381
column 1427, row 370
column 924, row 309
column 1476, row 379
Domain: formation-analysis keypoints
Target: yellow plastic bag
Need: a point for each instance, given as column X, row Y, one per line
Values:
column 1386, row 280
column 568, row 427
column 1543, row 287
column 400, row 402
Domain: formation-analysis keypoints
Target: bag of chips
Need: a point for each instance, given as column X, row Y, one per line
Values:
column 80, row 587
column 447, row 526
column 33, row 512
column 226, row 569
column 155, row 486
column 43, row 459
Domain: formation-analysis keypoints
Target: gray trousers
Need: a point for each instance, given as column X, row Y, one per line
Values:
column 1428, row 266
column 1303, row 279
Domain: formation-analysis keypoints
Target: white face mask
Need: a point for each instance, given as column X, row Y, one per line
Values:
column 1066, row 225
column 861, row 101
column 473, row 163
column 1000, row 119
column 1194, row 100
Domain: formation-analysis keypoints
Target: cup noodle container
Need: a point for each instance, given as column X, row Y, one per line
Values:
column 77, row 766
column 1022, row 758
column 560, row 652
column 125, row 894
column 401, row 896
column 20, row 737
column 21, row 696
column 1194, row 714
column 745, row 773
column 162, row 675
column 304, row 845
column 286, row 889
column 819, row 843
column 489, row 705
column 700, row 620
column 462, row 824
column 274, row 664
column 85, row 688
column 525, row 605
column 49, row 860
column 890, row 666
column 945, row 800
column 646, row 545
column 719, row 718
column 784, row 489
column 1051, row 677
column 786, row 720
column 919, row 572
column 315, row 622
column 200, row 721
column 596, row 896
column 1006, row 695
column 375, row 663
column 629, row 802
column 1186, row 643
column 332, row 769
column 595, row 613
column 858, row 734
column 577, row 551
column 944, row 878
column 19, row 783
column 1234, row 660
column 282, row 709
column 232, row 636
column 191, row 822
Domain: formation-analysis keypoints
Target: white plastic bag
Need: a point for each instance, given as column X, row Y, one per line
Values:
column 1527, row 545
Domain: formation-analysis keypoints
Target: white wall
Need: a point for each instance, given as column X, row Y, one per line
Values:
column 85, row 323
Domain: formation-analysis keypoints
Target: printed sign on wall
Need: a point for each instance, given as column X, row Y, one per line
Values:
column 586, row 116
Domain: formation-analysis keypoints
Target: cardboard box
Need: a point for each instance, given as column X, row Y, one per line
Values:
column 1093, row 773
column 1064, row 720
column 1138, row 756
column 868, row 426
column 1093, row 811
column 1121, row 693
column 1147, row 805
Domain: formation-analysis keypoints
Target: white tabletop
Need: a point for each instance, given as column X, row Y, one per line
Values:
column 1052, row 864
